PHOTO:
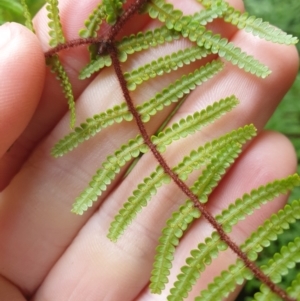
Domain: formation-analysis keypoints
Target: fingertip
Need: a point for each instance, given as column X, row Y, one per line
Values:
column 22, row 71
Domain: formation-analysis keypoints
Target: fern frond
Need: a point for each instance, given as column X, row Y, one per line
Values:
column 58, row 69
column 27, row 15
column 113, row 9
column 148, row 188
column 179, row 222
column 277, row 267
column 169, row 239
column 104, row 176
column 129, row 45
column 56, row 33
column 237, row 273
column 254, row 25
column 166, row 97
column 92, row 24
column 227, row 219
column 207, row 39
column 164, row 65
column 193, row 123
column 91, row 127
column 257, row 197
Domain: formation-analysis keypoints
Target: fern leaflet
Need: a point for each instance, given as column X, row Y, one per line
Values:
column 113, row 9
column 164, row 65
column 58, row 69
column 54, row 24
column 27, row 15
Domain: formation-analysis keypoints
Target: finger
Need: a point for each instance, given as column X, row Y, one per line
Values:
column 21, row 81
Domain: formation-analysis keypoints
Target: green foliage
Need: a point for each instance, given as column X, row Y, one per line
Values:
column 56, row 33
column 237, row 273
column 27, row 15
column 92, row 24
column 58, row 69
column 216, row 156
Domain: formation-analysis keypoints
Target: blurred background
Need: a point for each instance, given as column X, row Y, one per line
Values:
column 286, row 119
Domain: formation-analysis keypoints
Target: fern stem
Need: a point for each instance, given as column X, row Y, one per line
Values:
column 233, row 246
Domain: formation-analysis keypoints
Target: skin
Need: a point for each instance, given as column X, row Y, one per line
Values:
column 48, row 253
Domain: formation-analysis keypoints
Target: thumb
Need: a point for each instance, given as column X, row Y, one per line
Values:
column 22, row 72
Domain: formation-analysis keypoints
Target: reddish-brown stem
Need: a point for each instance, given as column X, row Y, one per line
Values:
column 184, row 188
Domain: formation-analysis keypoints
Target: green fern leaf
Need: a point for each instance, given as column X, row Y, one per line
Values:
column 294, row 289
column 113, row 9
column 196, row 32
column 92, row 24
column 237, row 273
column 164, row 65
column 129, row 45
column 176, row 225
column 104, row 176
column 193, row 123
column 91, row 127
column 58, row 69
column 254, row 25
column 180, row 220
column 249, row 202
column 27, row 15
column 55, row 32
column 144, row 192
column 277, row 267
column 166, row 97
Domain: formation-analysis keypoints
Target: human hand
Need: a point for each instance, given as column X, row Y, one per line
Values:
column 48, row 253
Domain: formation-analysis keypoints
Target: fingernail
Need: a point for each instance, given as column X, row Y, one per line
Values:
column 5, row 34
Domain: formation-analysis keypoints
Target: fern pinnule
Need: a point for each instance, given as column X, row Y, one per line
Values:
column 105, row 175
column 254, row 25
column 207, row 39
column 27, row 16
column 56, row 33
column 294, row 289
column 237, row 273
column 91, row 127
column 192, row 123
column 118, row 113
column 61, row 75
column 113, row 9
column 92, row 24
column 277, row 267
column 179, row 222
column 257, row 197
column 164, row 65
column 169, row 239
